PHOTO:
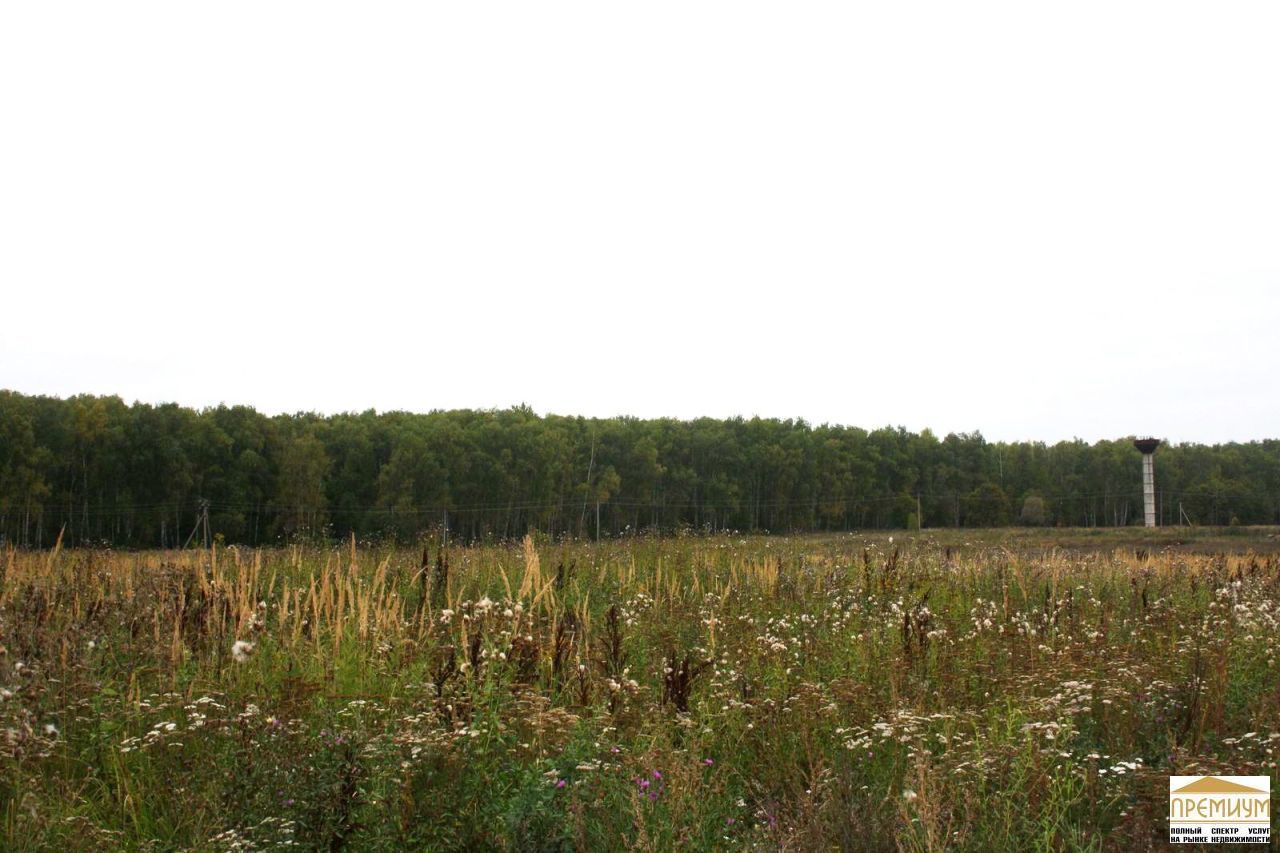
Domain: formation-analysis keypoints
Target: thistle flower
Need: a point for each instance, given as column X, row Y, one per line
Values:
column 241, row 651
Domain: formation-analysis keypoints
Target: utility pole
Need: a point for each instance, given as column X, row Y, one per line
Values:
column 591, row 464
column 597, row 521
column 202, row 522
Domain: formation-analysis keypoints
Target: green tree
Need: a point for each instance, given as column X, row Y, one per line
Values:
column 986, row 506
column 300, row 495
column 1034, row 513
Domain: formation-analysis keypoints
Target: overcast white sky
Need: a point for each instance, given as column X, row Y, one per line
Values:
column 1034, row 220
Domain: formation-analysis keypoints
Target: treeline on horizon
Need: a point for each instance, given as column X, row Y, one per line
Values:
column 140, row 475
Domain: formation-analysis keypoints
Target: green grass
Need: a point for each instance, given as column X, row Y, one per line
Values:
column 1008, row 690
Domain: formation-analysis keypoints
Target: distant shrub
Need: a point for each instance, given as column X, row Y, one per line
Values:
column 1034, row 513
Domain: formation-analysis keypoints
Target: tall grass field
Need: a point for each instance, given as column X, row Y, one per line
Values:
column 998, row 691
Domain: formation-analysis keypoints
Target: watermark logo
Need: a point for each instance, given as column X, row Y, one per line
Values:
column 1219, row 809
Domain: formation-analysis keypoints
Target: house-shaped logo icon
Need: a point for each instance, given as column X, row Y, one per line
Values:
column 1217, row 785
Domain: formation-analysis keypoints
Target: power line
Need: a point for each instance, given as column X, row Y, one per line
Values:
column 736, row 503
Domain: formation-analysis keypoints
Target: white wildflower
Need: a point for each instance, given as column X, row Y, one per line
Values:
column 241, row 651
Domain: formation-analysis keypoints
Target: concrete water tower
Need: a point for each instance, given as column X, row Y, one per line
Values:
column 1148, row 447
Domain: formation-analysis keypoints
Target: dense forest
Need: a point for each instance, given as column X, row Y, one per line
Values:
column 145, row 476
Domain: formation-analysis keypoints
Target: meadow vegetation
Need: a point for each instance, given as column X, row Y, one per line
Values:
column 922, row 692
